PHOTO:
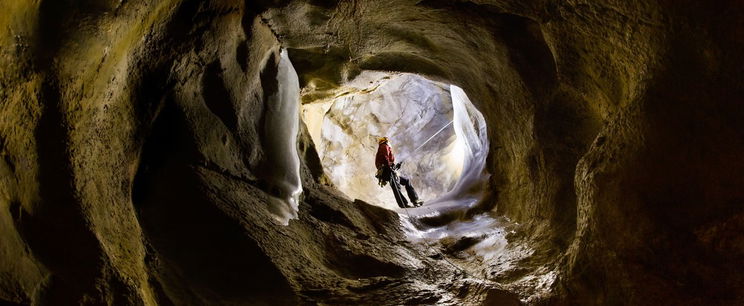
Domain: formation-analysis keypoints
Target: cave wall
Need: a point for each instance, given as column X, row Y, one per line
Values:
column 134, row 169
column 111, row 106
column 498, row 56
column 611, row 125
column 614, row 132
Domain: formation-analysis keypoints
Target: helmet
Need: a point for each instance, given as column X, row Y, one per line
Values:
column 382, row 140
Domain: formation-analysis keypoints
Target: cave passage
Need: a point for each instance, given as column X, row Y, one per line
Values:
column 435, row 131
column 221, row 152
column 440, row 137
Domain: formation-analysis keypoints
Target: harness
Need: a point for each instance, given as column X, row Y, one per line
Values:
column 387, row 173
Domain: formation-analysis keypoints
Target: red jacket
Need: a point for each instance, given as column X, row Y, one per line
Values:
column 384, row 156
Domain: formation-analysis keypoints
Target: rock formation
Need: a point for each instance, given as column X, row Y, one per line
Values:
column 138, row 165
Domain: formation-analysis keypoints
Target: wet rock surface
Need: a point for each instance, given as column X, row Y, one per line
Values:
column 133, row 166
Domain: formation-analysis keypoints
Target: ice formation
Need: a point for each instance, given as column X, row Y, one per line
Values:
column 282, row 125
column 472, row 141
column 407, row 108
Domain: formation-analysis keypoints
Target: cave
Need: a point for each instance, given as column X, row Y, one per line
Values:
column 217, row 152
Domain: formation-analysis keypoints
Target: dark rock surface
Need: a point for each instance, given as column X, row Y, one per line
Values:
column 131, row 150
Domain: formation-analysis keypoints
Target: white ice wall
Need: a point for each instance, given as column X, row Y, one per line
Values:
column 407, row 108
column 472, row 138
column 280, row 143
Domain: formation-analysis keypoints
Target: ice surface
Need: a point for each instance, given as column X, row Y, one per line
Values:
column 472, row 141
column 407, row 108
column 282, row 126
column 434, row 128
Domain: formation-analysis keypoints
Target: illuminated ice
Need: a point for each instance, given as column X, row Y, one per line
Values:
column 407, row 108
column 281, row 128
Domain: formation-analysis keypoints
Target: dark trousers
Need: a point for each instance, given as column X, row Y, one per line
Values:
column 395, row 183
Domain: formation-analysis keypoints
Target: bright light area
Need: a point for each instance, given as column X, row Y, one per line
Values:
column 437, row 141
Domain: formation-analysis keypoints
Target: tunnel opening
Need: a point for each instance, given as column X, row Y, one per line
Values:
column 443, row 141
column 435, row 132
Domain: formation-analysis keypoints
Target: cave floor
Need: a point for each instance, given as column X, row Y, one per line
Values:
column 485, row 248
column 341, row 252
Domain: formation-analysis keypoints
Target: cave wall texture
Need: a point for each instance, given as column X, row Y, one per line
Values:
column 133, row 171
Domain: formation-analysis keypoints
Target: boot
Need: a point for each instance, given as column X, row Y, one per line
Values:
column 411, row 192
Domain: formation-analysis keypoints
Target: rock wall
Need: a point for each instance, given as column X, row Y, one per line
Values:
column 131, row 148
column 413, row 112
column 611, row 125
column 133, row 168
